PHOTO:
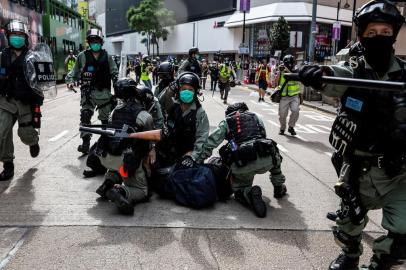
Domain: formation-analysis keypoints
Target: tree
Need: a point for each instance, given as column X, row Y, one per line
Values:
column 151, row 19
column 280, row 36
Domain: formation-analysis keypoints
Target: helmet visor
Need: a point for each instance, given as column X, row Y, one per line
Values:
column 382, row 7
column 17, row 26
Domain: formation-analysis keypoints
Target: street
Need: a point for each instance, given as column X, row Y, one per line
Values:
column 51, row 218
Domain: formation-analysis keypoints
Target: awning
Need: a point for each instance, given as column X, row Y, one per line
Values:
column 117, row 39
column 292, row 12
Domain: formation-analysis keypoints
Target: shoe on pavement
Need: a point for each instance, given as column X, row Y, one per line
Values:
column 124, row 206
column 225, row 101
column 259, row 99
column 279, row 191
column 282, row 132
column 106, row 186
column 8, row 171
column 257, row 203
column 85, row 146
column 292, row 131
column 343, row 262
column 34, row 150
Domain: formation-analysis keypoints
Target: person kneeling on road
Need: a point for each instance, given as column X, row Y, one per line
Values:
column 123, row 157
column 248, row 152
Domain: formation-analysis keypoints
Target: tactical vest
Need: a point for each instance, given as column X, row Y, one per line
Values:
column 126, row 115
column 144, row 72
column 244, row 127
column 258, row 76
column 373, row 114
column 71, row 64
column 225, row 72
column 12, row 80
column 96, row 73
column 182, row 129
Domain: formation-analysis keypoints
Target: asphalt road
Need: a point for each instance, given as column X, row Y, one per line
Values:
column 51, row 218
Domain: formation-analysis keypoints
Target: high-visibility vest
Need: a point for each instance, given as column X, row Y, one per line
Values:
column 260, row 71
column 293, row 87
column 225, row 72
column 71, row 64
column 144, row 72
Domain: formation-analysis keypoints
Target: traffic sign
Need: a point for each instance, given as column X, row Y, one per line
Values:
column 245, row 5
column 244, row 50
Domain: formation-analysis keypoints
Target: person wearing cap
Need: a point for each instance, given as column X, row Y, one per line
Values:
column 369, row 136
column 191, row 64
column 17, row 98
column 95, row 68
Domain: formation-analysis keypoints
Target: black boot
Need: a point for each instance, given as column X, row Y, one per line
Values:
column 118, row 196
column 8, row 171
column 279, row 191
column 84, row 148
column 34, row 150
column 282, row 132
column 343, row 262
column 106, row 186
column 257, row 203
column 386, row 262
column 292, row 131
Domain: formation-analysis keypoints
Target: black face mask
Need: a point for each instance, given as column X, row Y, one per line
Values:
column 378, row 51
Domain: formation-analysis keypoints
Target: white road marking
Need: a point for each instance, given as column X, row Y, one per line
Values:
column 283, row 149
column 328, row 154
column 60, row 135
column 320, row 128
column 319, row 117
column 301, row 138
column 303, row 129
column 273, row 123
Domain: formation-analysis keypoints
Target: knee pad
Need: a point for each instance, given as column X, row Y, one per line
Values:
column 347, row 241
column 86, row 116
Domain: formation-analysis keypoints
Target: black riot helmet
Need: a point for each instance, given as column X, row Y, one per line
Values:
column 166, row 70
column 189, row 78
column 145, row 95
column 193, row 50
column 125, row 88
column 236, row 107
column 94, row 33
column 378, row 11
column 289, row 61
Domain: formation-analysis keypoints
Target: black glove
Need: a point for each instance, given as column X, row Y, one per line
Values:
column 187, row 162
column 130, row 163
column 311, row 76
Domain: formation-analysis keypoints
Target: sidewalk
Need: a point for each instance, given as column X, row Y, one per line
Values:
column 317, row 105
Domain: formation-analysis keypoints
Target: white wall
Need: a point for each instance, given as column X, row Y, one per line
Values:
column 207, row 38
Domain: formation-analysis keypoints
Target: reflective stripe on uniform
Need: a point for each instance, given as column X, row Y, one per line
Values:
column 293, row 87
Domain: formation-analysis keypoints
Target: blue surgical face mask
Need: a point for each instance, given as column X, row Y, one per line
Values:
column 186, row 96
column 17, row 41
column 95, row 47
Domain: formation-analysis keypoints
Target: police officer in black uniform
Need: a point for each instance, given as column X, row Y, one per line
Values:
column 163, row 92
column 369, row 136
column 17, row 98
column 129, row 186
column 96, row 69
column 191, row 64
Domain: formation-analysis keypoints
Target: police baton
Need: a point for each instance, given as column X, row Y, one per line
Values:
column 151, row 135
column 358, row 83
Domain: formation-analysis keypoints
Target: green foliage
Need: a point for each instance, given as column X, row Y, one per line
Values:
column 151, row 19
column 280, row 35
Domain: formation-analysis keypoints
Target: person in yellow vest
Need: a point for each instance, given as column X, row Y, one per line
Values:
column 224, row 80
column 262, row 78
column 146, row 69
column 70, row 61
column 291, row 97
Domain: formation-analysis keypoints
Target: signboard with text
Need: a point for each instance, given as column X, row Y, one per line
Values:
column 245, row 5
column 336, row 34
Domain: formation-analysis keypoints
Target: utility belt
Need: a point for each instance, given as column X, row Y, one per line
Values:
column 249, row 152
column 391, row 165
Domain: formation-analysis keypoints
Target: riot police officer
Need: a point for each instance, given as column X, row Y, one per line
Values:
column 191, row 64
column 187, row 125
column 130, row 186
column 96, row 69
column 226, row 76
column 290, row 97
column 248, row 152
column 370, row 137
column 17, row 98
column 166, row 73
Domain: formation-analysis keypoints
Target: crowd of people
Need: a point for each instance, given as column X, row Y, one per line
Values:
column 160, row 141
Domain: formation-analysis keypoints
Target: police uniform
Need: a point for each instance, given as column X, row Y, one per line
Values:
column 95, row 75
column 224, row 81
column 17, row 100
column 145, row 71
column 246, row 131
column 134, row 115
column 190, row 65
